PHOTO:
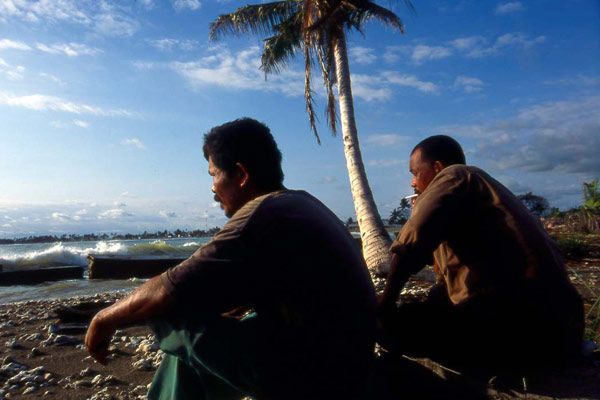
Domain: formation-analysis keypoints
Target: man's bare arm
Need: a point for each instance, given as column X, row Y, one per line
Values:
column 149, row 300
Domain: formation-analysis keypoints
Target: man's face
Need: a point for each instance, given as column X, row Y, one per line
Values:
column 228, row 189
column 422, row 170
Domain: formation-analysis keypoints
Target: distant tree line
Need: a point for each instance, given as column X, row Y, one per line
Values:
column 178, row 233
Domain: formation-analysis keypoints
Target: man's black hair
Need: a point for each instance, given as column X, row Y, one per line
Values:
column 250, row 143
column 441, row 148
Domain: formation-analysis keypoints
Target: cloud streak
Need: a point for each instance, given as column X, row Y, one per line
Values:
column 68, row 49
column 134, row 142
column 509, row 8
column 469, row 47
column 98, row 16
column 562, row 136
column 40, row 102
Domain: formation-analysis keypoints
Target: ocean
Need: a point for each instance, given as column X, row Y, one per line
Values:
column 15, row 256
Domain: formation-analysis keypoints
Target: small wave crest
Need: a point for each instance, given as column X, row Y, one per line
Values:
column 160, row 247
column 60, row 254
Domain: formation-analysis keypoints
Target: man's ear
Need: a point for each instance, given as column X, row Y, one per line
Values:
column 242, row 174
column 438, row 167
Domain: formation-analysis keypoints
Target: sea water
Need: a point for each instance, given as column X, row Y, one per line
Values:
column 16, row 256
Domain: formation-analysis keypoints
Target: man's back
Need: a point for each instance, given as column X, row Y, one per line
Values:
column 483, row 238
column 289, row 258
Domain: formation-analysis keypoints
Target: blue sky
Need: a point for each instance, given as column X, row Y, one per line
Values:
column 103, row 105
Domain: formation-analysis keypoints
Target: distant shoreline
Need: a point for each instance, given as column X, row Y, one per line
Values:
column 93, row 237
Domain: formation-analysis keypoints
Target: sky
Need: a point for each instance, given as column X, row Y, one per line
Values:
column 104, row 104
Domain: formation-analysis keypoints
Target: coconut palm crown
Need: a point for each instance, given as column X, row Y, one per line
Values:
column 317, row 28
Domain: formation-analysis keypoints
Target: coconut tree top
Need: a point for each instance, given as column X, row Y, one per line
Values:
column 309, row 27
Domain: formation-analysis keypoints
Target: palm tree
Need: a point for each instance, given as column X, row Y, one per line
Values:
column 318, row 29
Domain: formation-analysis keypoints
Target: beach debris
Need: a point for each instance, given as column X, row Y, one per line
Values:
column 86, row 372
column 32, row 337
column 143, row 365
column 147, row 346
column 109, row 380
column 12, row 368
column 13, row 344
column 60, row 340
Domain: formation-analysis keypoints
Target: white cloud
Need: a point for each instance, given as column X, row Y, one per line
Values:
column 80, row 214
column 423, row 53
column 81, row 124
column 145, row 65
column 468, row 84
column 383, row 140
column 478, row 46
column 393, row 53
column 147, row 4
column 68, row 49
column 114, row 213
column 579, row 80
column 378, row 87
column 473, row 46
column 60, row 216
column 11, row 72
column 239, row 71
column 410, row 81
column 369, row 88
column 362, row 55
column 562, row 136
column 134, row 142
column 40, row 102
column 50, row 77
column 509, row 8
column 167, row 214
column 98, row 16
column 242, row 71
column 169, row 44
column 110, row 23
column 180, row 5
column 7, row 44
column 518, row 40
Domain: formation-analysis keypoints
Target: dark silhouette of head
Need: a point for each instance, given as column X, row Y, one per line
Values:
column 441, row 148
column 250, row 143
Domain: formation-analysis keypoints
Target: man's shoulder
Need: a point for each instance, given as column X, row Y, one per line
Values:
column 271, row 206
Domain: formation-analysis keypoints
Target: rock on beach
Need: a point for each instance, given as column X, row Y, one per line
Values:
column 37, row 360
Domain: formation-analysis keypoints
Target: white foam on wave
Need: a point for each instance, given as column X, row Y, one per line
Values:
column 61, row 254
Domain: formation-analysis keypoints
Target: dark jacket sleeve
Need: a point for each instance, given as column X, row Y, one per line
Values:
column 215, row 278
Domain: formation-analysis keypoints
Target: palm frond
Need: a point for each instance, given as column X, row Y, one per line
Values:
column 256, row 19
column 371, row 10
column 280, row 48
column 308, row 91
column 324, row 55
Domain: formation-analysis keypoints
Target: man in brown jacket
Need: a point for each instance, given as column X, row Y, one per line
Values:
column 506, row 301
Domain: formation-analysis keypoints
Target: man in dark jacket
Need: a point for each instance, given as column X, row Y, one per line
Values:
column 279, row 305
column 506, row 302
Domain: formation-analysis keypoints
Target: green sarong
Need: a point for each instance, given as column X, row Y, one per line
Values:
column 213, row 361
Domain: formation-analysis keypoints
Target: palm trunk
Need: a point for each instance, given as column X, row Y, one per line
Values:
column 375, row 239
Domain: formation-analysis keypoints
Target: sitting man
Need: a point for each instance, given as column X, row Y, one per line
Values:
column 279, row 305
column 505, row 302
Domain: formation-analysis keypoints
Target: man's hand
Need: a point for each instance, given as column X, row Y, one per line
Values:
column 148, row 301
column 97, row 338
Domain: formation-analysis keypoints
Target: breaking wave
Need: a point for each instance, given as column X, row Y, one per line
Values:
column 76, row 253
